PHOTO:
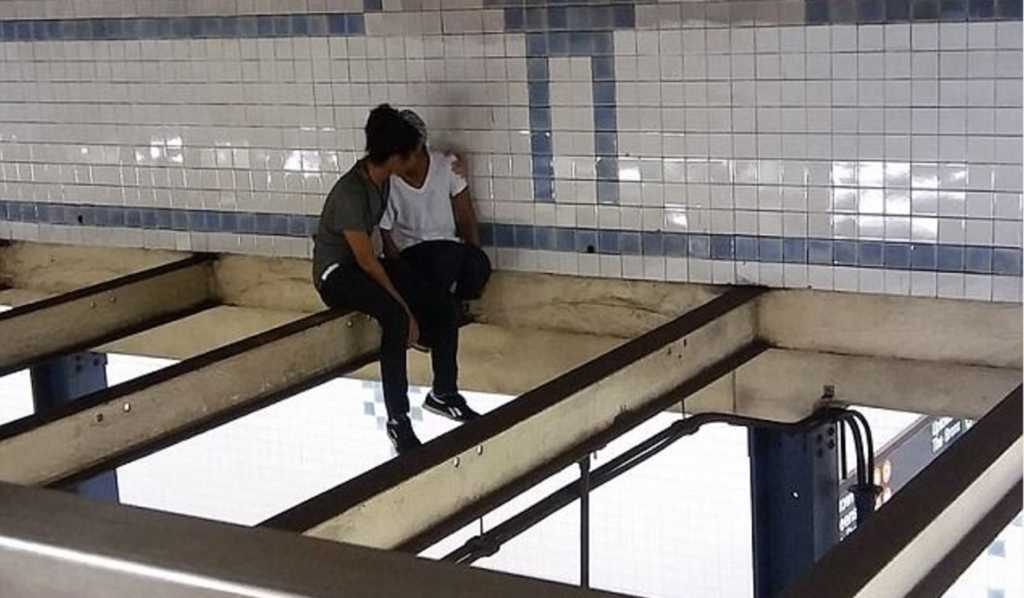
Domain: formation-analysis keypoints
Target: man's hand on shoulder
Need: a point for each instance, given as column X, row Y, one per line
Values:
column 459, row 165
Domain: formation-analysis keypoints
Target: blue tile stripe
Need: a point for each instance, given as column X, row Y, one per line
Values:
column 892, row 255
column 200, row 27
column 548, row 35
column 822, row 12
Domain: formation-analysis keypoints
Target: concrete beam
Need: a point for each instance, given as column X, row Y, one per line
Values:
column 130, row 420
column 95, row 314
column 783, row 385
column 54, row 545
column 56, row 269
column 481, row 458
column 947, row 331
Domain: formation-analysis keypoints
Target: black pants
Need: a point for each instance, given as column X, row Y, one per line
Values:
column 435, row 311
column 452, row 266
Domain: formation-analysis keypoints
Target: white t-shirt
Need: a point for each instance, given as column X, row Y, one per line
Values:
column 422, row 214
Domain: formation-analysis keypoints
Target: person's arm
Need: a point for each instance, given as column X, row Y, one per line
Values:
column 465, row 218
column 362, row 248
column 391, row 250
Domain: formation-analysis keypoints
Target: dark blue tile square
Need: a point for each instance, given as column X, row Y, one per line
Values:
column 586, row 240
column 129, row 29
column 543, row 189
column 922, row 256
column 212, row 27
column 871, row 254
column 540, row 118
column 950, row 258
column 280, row 223
column 604, row 93
column 39, row 30
column 246, row 223
column 515, row 18
column 55, row 29
column 603, row 43
column 953, row 10
column 978, row 260
column 981, row 9
column 300, row 25
column 897, row 256
column 82, row 29
column 265, row 25
column 558, row 43
column 608, row 242
column 700, row 246
column 816, row 12
column 581, row 43
column 87, row 215
column 676, row 245
column 195, row 27
column 29, row 212
column 537, row 69
column 229, row 26
column 925, row 10
column 282, row 25
column 540, row 144
column 180, row 28
column 163, row 219
column 296, row 225
column 536, row 44
column 566, row 239
column 557, row 18
column 7, row 31
column 607, row 144
column 630, row 243
column 1009, row 9
column 101, row 29
column 897, row 10
column 312, row 225
column 579, row 16
column 1006, row 261
column 318, row 25
column 133, row 218
column 536, row 19
column 262, row 224
column 722, row 247
column 746, row 249
column 602, row 68
column 179, row 220
column 871, row 11
column 607, row 169
column 100, row 216
column 653, row 243
column 624, row 16
column 356, row 25
column 373, row 5
column 602, row 17
column 543, row 167
column 607, row 192
column 149, row 218
column 845, row 253
column 794, row 251
column 539, row 93
column 769, row 249
column 605, row 118
column 545, row 238
column 336, row 25
column 486, row 234
column 843, row 11
column 114, row 216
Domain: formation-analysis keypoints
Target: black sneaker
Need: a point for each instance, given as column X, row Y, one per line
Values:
column 402, row 435
column 452, row 406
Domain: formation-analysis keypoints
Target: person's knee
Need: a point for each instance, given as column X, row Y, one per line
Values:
column 394, row 322
column 476, row 271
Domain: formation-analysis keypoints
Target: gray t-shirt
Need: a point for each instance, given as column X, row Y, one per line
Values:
column 354, row 204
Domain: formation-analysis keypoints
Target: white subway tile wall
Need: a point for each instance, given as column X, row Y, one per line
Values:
column 787, row 144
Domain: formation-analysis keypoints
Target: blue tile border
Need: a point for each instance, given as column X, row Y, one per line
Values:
column 198, row 27
column 862, row 12
column 929, row 257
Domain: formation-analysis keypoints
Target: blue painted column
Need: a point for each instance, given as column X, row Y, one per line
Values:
column 794, row 484
column 62, row 380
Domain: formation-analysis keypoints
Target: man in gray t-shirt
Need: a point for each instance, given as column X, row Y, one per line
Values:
column 348, row 274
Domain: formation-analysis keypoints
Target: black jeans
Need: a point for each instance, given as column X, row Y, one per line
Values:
column 449, row 263
column 350, row 287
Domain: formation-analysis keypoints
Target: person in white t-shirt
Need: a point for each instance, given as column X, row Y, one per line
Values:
column 430, row 225
column 430, row 222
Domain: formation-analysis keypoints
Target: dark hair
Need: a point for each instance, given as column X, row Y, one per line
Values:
column 387, row 134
